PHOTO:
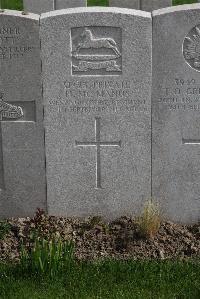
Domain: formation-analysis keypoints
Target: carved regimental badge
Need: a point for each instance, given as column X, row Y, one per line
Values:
column 9, row 111
column 191, row 48
column 96, row 51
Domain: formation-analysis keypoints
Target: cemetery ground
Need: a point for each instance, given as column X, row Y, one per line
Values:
column 52, row 257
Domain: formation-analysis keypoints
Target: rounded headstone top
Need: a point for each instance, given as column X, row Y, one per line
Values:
column 21, row 14
column 168, row 10
column 98, row 9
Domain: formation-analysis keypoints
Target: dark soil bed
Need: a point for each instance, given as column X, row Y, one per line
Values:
column 96, row 239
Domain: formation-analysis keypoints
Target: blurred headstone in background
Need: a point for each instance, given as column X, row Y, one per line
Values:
column 134, row 4
column 150, row 5
column 41, row 6
column 38, row 6
column 147, row 5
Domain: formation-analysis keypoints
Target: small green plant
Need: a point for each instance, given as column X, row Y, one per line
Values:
column 5, row 227
column 150, row 219
column 47, row 257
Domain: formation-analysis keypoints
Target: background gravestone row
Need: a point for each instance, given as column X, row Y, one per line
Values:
column 102, row 106
column 146, row 5
column 40, row 6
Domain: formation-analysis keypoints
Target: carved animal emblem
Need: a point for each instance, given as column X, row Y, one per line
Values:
column 10, row 111
column 89, row 41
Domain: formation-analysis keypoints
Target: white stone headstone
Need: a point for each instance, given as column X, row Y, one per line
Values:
column 38, row 6
column 60, row 4
column 41, row 6
column 97, row 90
column 150, row 5
column 134, row 4
column 146, row 5
column 22, row 161
column 176, row 112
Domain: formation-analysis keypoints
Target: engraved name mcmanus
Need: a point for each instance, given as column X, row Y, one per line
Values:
column 98, row 88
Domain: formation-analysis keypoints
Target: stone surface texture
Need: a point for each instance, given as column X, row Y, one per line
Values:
column 41, row 6
column 97, row 89
column 134, row 4
column 60, row 4
column 146, row 5
column 149, row 5
column 22, row 162
column 175, row 112
column 38, row 6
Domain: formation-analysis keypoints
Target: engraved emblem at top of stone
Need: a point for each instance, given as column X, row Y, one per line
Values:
column 9, row 111
column 191, row 48
column 96, row 51
column 98, row 144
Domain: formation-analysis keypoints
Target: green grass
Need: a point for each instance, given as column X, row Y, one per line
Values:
column 4, row 229
column 179, row 2
column 17, row 4
column 12, row 4
column 108, row 280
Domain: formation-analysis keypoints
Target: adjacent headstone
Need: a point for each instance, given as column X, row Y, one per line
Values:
column 38, row 6
column 60, row 4
column 134, row 4
column 41, row 6
column 22, row 162
column 97, row 89
column 149, row 5
column 175, row 112
column 146, row 5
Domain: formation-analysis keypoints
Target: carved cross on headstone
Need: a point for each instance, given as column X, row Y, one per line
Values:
column 11, row 112
column 191, row 141
column 98, row 144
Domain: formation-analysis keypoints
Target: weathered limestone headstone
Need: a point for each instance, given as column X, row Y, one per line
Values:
column 41, row 6
column 134, row 4
column 176, row 111
column 38, row 6
column 149, row 5
column 60, row 4
column 97, row 85
column 22, row 163
column 146, row 5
